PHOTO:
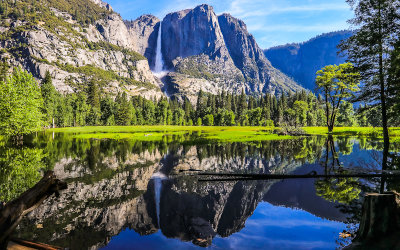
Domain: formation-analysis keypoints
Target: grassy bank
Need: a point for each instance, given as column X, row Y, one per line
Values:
column 225, row 134
column 353, row 131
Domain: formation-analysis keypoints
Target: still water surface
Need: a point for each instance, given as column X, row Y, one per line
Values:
column 147, row 195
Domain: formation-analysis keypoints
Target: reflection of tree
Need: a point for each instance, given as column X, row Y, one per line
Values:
column 19, row 171
column 345, row 145
column 343, row 190
column 331, row 158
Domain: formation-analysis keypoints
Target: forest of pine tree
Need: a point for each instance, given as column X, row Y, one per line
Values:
column 93, row 108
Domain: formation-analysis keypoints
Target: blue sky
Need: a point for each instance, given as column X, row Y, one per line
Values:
column 272, row 22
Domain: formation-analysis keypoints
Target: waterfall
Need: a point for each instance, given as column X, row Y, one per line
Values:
column 158, row 178
column 159, row 63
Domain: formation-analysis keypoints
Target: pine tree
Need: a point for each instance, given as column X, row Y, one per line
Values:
column 50, row 98
column 94, row 94
column 377, row 25
column 123, row 114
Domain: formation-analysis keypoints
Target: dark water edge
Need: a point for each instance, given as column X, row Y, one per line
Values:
column 135, row 195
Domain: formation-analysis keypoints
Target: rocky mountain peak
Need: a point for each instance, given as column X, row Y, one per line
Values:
column 143, row 32
column 103, row 4
column 191, row 32
column 235, row 21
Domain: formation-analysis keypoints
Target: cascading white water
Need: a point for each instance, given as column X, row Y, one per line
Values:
column 157, row 178
column 159, row 63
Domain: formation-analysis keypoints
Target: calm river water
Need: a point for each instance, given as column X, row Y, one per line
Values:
column 147, row 195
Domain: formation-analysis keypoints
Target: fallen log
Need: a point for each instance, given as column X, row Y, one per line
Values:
column 313, row 175
column 12, row 212
column 34, row 245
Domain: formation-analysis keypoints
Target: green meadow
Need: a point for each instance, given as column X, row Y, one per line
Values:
column 154, row 133
column 214, row 133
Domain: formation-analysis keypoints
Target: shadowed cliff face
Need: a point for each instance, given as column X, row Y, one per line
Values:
column 243, row 48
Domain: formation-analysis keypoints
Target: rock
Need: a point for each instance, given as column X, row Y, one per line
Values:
column 64, row 53
column 102, row 4
column 199, row 44
column 143, row 31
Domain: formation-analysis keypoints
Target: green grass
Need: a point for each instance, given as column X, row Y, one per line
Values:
column 211, row 133
column 155, row 133
column 354, row 131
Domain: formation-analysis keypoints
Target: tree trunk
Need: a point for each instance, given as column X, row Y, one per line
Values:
column 383, row 99
column 380, row 222
column 330, row 128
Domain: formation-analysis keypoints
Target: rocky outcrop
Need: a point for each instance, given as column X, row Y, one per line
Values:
column 103, row 4
column 143, row 31
column 192, row 32
column 74, row 53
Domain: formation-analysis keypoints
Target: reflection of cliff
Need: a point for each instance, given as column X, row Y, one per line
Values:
column 98, row 203
column 198, row 212
column 191, row 160
column 301, row 193
column 107, row 194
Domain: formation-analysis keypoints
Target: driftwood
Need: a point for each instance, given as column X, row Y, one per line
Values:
column 12, row 212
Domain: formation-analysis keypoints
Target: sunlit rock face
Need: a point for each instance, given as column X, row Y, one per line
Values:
column 201, row 51
column 215, row 53
column 102, row 45
column 192, row 32
column 143, row 32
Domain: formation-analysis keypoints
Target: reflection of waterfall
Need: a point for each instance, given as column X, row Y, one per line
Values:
column 159, row 62
column 158, row 178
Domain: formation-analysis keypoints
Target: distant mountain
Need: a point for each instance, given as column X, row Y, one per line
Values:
column 302, row 60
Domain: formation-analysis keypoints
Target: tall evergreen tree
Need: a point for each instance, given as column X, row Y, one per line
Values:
column 123, row 115
column 377, row 24
column 94, row 94
column 50, row 99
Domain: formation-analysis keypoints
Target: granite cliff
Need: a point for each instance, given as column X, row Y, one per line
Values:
column 79, row 40
column 214, row 53
column 75, row 41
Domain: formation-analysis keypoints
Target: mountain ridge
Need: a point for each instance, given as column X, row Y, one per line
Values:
column 302, row 60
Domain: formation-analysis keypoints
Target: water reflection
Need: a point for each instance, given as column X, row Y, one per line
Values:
column 119, row 188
